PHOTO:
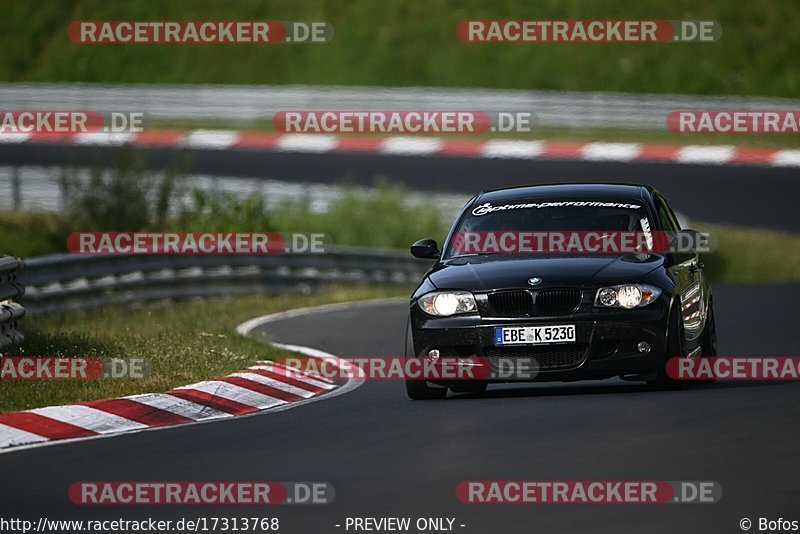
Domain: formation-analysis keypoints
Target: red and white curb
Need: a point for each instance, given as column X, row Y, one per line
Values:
column 426, row 146
column 263, row 387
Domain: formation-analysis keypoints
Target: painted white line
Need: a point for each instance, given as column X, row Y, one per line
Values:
column 104, row 138
column 349, row 368
column 288, row 388
column 213, row 139
column 306, row 143
column 304, row 373
column 185, row 408
column 248, row 326
column 706, row 154
column 409, row 146
column 89, row 418
column 10, row 436
column 296, row 374
column 786, row 158
column 234, row 393
column 611, row 151
column 288, row 369
column 512, row 149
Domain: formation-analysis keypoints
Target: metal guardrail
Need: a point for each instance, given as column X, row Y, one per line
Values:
column 560, row 109
column 69, row 281
column 10, row 311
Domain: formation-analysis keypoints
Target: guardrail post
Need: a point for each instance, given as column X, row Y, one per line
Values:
column 16, row 193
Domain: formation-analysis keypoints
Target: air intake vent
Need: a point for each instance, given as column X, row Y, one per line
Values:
column 511, row 303
column 548, row 358
column 557, row 301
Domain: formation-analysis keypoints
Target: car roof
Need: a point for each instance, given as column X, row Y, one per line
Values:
column 583, row 190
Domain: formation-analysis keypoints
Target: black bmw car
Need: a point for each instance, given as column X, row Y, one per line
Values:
column 588, row 312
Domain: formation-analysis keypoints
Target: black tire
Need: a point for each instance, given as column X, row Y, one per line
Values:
column 709, row 342
column 709, row 339
column 420, row 390
column 675, row 347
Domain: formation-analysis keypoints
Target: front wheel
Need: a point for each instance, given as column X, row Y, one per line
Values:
column 709, row 339
column 420, row 390
column 675, row 348
column 709, row 342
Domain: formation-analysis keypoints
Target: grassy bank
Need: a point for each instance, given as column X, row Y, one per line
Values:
column 753, row 255
column 384, row 217
column 400, row 43
column 182, row 343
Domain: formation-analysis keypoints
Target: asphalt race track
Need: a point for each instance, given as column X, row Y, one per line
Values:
column 734, row 194
column 388, row 456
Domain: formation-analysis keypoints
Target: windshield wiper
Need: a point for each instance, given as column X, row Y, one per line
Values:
column 474, row 254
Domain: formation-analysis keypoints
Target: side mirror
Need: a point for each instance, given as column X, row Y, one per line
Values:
column 688, row 240
column 426, row 249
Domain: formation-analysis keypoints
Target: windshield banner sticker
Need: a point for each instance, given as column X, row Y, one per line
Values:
column 487, row 207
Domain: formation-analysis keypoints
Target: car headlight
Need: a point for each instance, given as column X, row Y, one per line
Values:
column 626, row 296
column 446, row 303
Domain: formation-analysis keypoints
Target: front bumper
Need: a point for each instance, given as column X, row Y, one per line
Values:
column 605, row 347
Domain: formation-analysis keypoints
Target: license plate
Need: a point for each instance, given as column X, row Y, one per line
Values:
column 534, row 335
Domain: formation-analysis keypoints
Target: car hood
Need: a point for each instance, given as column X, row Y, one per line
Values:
column 487, row 273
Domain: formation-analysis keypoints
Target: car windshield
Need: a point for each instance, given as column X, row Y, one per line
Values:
column 507, row 227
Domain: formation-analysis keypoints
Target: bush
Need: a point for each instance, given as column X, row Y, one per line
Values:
column 383, row 217
column 129, row 198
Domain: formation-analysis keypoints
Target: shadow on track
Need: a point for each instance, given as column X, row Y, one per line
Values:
column 600, row 388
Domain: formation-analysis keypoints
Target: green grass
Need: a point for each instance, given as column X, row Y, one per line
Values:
column 402, row 43
column 27, row 234
column 753, row 255
column 182, row 343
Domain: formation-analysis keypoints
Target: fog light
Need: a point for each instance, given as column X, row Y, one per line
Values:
column 433, row 355
column 643, row 347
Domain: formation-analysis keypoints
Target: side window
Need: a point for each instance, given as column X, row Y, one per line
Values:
column 668, row 219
